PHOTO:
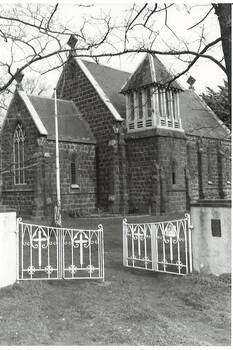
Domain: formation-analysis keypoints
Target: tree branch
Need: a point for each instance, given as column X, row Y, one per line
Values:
column 51, row 16
column 196, row 24
column 197, row 57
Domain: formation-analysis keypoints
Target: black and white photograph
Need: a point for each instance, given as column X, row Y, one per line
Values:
column 115, row 173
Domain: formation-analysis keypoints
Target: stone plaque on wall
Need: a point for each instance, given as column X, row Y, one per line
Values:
column 216, row 227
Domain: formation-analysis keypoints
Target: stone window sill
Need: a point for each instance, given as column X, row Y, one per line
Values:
column 175, row 187
column 13, row 190
column 75, row 186
column 17, row 187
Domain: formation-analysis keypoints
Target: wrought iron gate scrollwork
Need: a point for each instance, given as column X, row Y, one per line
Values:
column 158, row 246
column 46, row 252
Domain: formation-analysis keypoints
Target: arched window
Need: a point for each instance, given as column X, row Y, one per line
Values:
column 227, row 162
column 189, row 155
column 210, row 160
column 173, row 173
column 18, row 155
column 73, row 170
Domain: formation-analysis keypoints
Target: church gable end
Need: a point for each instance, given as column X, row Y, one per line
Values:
column 74, row 85
column 17, row 156
column 28, row 158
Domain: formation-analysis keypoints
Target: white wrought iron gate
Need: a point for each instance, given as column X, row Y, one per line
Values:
column 59, row 253
column 158, row 246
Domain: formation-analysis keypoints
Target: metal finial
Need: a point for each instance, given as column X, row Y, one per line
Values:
column 72, row 41
column 19, row 77
column 191, row 81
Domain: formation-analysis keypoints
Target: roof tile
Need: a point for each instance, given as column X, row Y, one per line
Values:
column 198, row 119
column 71, row 125
column 111, row 81
column 150, row 71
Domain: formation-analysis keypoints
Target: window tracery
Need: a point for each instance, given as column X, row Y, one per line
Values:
column 18, row 155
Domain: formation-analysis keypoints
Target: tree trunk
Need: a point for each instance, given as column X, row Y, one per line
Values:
column 223, row 11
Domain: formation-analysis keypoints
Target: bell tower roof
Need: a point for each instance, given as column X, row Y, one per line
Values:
column 150, row 71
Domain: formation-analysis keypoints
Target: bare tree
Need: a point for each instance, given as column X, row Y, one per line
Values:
column 223, row 11
column 34, row 33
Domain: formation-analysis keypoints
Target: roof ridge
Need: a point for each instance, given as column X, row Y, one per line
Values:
column 132, row 73
column 213, row 114
column 158, row 74
column 31, row 109
column 104, row 97
column 193, row 110
column 152, row 67
column 167, row 70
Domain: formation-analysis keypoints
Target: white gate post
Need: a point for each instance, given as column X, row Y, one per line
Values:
column 101, row 250
column 61, row 258
column 125, row 242
column 8, row 249
column 154, row 247
column 190, row 227
column 17, row 248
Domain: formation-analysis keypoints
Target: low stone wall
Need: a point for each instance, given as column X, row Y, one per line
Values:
column 211, row 236
column 8, row 249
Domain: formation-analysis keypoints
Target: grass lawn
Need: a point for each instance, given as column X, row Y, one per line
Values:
column 130, row 308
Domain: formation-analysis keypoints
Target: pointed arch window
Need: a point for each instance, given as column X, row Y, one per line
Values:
column 18, row 155
column 210, row 160
column 173, row 173
column 73, row 169
column 74, row 172
column 228, row 166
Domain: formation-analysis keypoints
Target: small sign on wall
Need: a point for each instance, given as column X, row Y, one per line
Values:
column 216, row 227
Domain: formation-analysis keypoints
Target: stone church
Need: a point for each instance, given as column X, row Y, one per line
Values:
column 127, row 143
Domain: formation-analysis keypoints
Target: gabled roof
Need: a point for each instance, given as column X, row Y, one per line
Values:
column 107, row 82
column 198, row 119
column 150, row 71
column 71, row 125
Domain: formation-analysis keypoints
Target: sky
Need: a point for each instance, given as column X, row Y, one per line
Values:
column 179, row 19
